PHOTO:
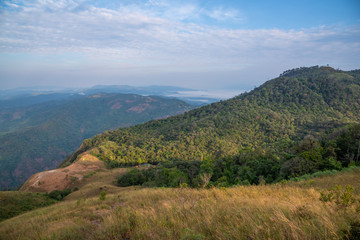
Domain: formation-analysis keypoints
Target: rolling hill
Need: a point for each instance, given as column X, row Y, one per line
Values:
column 277, row 115
column 38, row 137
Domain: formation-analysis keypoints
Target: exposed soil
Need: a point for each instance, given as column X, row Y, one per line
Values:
column 117, row 105
column 62, row 178
column 139, row 108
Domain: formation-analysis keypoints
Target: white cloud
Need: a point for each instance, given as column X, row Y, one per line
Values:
column 221, row 14
column 152, row 37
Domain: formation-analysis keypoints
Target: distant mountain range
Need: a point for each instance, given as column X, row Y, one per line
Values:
column 27, row 96
column 38, row 132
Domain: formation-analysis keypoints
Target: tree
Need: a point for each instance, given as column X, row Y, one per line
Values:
column 206, row 171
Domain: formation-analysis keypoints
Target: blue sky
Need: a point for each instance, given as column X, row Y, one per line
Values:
column 197, row 44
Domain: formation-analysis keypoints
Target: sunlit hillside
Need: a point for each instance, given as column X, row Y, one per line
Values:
column 295, row 210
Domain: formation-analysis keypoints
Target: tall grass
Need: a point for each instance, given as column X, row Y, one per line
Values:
column 326, row 180
column 253, row 212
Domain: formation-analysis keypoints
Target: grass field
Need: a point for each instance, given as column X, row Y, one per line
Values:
column 284, row 211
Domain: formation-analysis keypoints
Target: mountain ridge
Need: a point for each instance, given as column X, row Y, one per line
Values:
column 299, row 102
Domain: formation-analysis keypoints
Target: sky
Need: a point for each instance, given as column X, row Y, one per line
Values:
column 208, row 45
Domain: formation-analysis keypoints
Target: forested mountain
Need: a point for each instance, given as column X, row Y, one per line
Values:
column 265, row 125
column 38, row 137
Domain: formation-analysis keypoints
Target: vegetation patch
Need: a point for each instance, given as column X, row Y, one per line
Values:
column 58, row 194
column 13, row 203
column 308, row 159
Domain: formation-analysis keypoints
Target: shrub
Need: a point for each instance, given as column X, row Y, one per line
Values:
column 102, row 195
column 133, row 177
column 59, row 195
column 347, row 198
column 343, row 198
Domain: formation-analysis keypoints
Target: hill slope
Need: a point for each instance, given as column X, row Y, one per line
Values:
column 282, row 111
column 276, row 116
column 284, row 211
column 45, row 134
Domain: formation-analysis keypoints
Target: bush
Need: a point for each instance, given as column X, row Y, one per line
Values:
column 59, row 195
column 133, row 177
column 102, row 195
column 343, row 198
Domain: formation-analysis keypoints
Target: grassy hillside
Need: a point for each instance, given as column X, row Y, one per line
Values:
column 13, row 203
column 284, row 211
column 41, row 136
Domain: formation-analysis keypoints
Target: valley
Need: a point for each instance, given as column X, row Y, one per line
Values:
column 38, row 137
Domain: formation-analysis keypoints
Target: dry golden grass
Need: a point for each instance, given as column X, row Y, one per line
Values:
column 92, row 184
column 291, row 211
column 343, row 178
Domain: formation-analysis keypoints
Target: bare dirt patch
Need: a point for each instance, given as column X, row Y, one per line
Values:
column 63, row 178
column 139, row 108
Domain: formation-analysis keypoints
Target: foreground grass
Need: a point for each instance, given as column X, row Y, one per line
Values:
column 238, row 213
column 290, row 211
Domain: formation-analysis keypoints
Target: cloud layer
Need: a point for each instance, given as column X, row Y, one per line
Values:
column 156, row 38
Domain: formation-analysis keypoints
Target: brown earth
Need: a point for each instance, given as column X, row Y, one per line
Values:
column 63, row 178
column 116, row 105
column 139, row 108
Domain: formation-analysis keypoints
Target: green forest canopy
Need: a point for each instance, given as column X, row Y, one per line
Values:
column 262, row 129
